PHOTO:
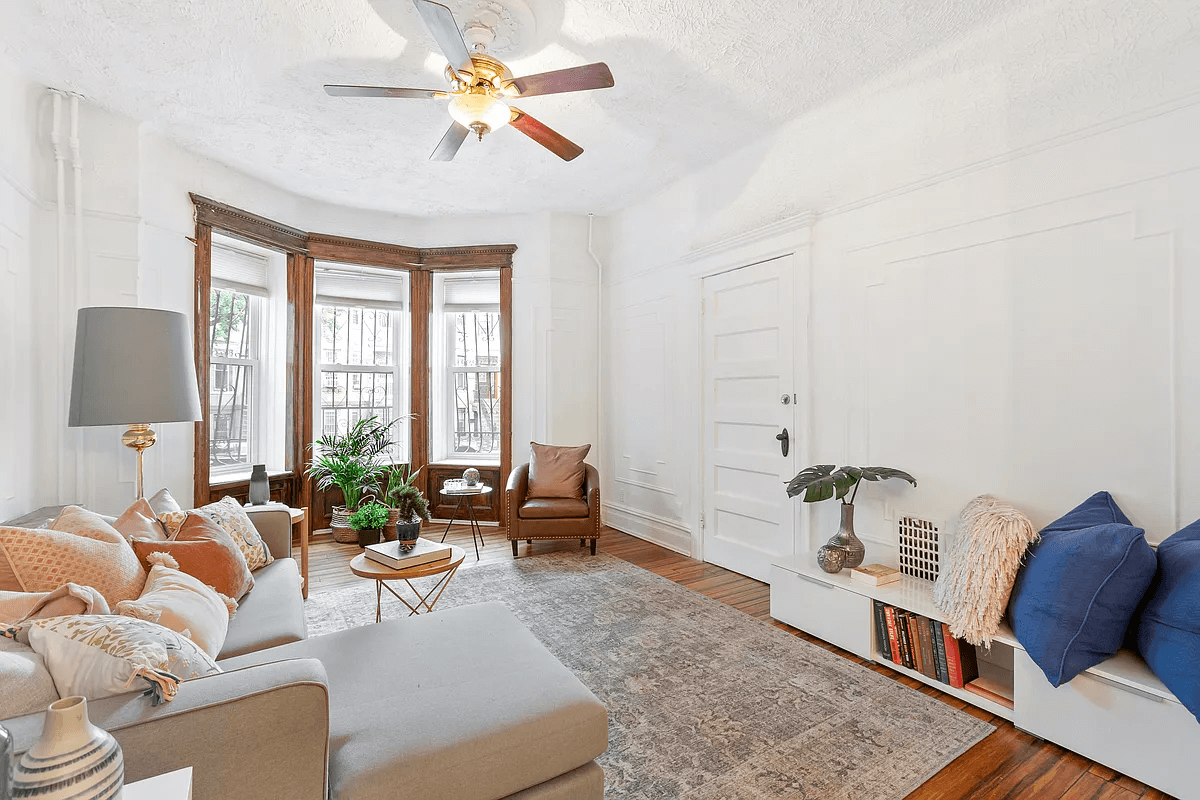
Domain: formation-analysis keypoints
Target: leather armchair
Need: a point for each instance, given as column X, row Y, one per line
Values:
column 532, row 518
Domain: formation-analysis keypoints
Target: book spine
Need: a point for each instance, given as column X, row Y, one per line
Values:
column 881, row 634
column 914, row 638
column 906, row 652
column 928, row 653
column 893, row 639
column 939, row 644
column 952, row 663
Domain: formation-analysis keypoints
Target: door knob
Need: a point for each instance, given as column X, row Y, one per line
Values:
column 783, row 441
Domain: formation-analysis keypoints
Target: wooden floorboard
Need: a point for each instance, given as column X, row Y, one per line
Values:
column 1007, row 764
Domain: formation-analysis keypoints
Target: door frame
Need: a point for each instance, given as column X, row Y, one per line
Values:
column 792, row 238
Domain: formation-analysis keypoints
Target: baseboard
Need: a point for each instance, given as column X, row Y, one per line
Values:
column 663, row 532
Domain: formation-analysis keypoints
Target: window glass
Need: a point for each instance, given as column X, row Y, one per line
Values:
column 232, row 372
column 474, row 372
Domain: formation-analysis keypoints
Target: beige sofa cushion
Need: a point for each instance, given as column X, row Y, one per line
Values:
column 463, row 703
column 271, row 614
column 25, row 683
column 79, row 547
column 556, row 471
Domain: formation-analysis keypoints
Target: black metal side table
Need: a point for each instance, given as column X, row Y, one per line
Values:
column 476, row 531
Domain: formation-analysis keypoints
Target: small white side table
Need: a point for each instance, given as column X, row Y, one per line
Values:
column 175, row 785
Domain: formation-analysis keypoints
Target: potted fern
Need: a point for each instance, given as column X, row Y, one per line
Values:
column 352, row 462
column 368, row 523
column 408, row 505
column 825, row 481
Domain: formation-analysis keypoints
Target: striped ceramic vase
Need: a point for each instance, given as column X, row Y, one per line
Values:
column 73, row 758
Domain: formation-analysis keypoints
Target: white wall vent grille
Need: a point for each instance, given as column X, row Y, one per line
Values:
column 919, row 548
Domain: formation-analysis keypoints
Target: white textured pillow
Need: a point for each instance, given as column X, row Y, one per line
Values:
column 182, row 603
column 981, row 564
column 163, row 502
column 98, row 656
column 25, row 683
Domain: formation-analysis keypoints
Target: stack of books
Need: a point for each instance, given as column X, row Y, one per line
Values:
column 926, row 646
column 423, row 552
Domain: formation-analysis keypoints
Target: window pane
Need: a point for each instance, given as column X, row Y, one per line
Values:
column 477, row 412
column 230, row 389
column 357, row 337
column 229, row 324
column 347, row 397
column 476, row 339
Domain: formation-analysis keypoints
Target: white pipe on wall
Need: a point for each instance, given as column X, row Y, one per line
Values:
column 599, row 350
column 77, row 245
column 60, row 208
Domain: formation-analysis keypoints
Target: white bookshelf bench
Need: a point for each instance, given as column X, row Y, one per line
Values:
column 1117, row 713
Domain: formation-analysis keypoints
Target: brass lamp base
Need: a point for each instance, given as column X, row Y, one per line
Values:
column 139, row 437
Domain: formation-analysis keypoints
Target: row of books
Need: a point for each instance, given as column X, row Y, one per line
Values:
column 924, row 645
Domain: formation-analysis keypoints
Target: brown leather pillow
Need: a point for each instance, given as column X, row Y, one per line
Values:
column 556, row 471
column 207, row 553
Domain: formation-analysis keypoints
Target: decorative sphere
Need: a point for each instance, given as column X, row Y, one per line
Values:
column 471, row 476
column 831, row 558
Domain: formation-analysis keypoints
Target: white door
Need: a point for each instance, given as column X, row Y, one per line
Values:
column 748, row 341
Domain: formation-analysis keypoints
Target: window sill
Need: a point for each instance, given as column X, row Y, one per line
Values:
column 230, row 478
column 465, row 462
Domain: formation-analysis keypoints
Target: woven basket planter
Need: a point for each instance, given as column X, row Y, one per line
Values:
column 340, row 525
column 389, row 530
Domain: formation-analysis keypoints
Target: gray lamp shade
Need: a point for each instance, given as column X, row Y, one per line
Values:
column 133, row 366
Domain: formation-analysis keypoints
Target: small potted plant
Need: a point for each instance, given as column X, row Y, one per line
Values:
column 824, row 482
column 368, row 522
column 408, row 505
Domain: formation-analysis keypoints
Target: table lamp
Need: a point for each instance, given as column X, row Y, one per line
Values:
column 133, row 366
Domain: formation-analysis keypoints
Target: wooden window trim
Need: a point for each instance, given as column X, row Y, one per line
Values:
column 302, row 250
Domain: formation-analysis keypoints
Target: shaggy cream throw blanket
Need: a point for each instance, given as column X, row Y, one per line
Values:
column 980, row 566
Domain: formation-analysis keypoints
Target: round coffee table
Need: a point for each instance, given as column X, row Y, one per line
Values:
column 364, row 567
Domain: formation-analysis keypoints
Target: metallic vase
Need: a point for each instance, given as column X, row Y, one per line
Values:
column 260, row 486
column 845, row 538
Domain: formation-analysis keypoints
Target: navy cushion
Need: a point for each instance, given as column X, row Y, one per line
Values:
column 1168, row 633
column 1072, row 602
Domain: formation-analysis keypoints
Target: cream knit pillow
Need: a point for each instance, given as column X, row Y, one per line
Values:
column 182, row 603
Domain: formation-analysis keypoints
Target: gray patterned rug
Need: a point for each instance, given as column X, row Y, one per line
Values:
column 704, row 702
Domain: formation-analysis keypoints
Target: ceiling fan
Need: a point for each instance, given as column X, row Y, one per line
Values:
column 481, row 88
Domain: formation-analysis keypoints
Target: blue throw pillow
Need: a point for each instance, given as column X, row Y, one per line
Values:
column 1072, row 602
column 1168, row 633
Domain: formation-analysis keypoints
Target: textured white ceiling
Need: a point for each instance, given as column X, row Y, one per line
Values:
column 240, row 81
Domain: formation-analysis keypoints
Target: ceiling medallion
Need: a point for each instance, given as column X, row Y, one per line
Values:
column 501, row 28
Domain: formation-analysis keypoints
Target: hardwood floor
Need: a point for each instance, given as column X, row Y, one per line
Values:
column 1008, row 764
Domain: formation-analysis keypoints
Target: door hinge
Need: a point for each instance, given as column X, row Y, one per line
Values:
column 701, row 521
column 702, row 304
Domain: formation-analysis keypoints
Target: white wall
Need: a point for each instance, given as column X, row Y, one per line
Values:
column 137, row 223
column 1004, row 293
column 18, row 367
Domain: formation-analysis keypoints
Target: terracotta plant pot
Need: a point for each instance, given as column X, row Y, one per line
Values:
column 366, row 536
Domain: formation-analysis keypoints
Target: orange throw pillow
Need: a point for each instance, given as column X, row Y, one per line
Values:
column 207, row 553
column 556, row 471
column 78, row 547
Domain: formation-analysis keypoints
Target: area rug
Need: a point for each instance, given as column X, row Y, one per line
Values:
column 704, row 701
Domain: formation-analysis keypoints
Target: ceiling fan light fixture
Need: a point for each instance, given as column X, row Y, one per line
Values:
column 481, row 113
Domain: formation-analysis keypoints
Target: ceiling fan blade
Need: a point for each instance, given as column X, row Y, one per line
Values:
column 573, row 79
column 553, row 141
column 448, row 146
column 440, row 21
column 339, row 90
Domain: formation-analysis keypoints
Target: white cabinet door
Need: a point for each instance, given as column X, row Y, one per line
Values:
column 748, row 341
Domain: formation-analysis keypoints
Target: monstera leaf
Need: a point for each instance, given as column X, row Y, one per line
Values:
column 825, row 481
